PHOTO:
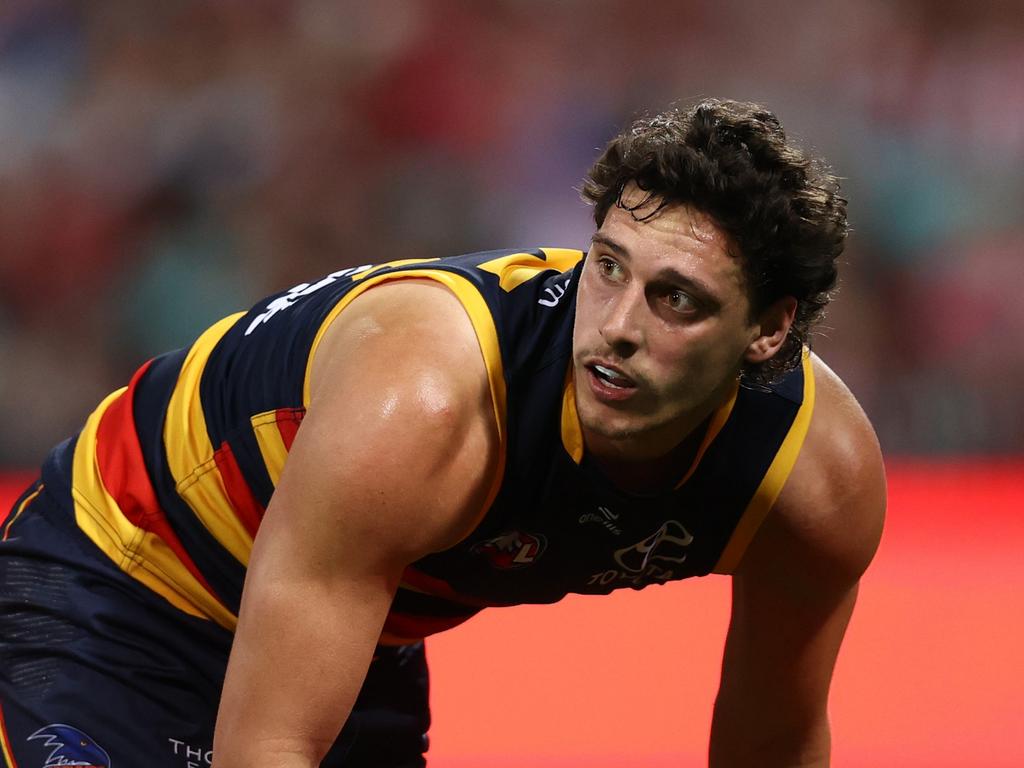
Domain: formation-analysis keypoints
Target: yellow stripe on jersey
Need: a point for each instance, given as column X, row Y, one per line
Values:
column 271, row 444
column 142, row 555
column 572, row 432
column 5, row 743
column 774, row 479
column 190, row 452
column 718, row 420
column 518, row 268
column 388, row 265
column 21, row 508
column 487, row 336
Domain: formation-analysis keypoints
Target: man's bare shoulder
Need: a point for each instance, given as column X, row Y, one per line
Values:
column 830, row 513
column 400, row 389
column 419, row 320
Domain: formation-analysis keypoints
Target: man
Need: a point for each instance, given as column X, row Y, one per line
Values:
column 488, row 430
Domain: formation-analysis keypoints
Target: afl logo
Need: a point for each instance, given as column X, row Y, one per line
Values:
column 514, row 549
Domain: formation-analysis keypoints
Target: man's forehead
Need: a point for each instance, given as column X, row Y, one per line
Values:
column 638, row 207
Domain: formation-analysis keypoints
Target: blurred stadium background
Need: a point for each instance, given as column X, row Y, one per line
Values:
column 165, row 164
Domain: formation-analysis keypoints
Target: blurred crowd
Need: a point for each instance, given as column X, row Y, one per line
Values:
column 164, row 164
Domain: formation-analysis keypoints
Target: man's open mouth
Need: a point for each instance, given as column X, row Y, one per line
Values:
column 611, row 377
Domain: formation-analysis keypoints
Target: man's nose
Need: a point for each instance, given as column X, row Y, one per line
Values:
column 622, row 329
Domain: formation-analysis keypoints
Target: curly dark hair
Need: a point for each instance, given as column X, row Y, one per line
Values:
column 779, row 206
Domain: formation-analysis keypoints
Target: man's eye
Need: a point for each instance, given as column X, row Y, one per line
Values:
column 680, row 302
column 608, row 268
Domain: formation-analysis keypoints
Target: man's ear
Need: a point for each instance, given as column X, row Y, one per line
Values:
column 771, row 328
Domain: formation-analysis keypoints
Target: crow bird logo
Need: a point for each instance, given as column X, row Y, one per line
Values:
column 70, row 747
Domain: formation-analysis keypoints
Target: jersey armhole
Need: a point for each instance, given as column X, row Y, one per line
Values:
column 482, row 319
column 771, row 484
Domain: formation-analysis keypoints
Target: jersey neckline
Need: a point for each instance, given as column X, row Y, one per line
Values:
column 572, row 432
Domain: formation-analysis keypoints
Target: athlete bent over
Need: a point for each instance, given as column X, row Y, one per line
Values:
column 316, row 485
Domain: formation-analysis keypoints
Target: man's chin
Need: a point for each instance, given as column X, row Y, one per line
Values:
column 630, row 436
column 618, row 434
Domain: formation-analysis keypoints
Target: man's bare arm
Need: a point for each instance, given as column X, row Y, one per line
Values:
column 794, row 592
column 394, row 460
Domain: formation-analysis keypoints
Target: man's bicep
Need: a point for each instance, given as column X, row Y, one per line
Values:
column 324, row 568
column 399, row 446
column 384, row 469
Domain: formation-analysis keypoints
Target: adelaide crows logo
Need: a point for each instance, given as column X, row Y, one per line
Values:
column 668, row 544
column 70, row 747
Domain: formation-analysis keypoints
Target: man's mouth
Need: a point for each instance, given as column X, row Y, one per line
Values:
column 611, row 377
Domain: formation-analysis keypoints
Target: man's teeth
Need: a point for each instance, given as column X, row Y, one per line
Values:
column 611, row 377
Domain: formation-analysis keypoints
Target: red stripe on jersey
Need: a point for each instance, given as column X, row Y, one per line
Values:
column 288, row 420
column 6, row 752
column 122, row 469
column 432, row 585
column 429, row 584
column 247, row 508
column 408, row 626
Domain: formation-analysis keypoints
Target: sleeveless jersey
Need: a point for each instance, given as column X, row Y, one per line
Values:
column 170, row 475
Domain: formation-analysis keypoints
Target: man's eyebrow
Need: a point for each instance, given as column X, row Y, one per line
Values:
column 669, row 276
column 666, row 276
column 612, row 245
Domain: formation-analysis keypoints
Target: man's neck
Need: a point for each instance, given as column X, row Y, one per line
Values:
column 653, row 474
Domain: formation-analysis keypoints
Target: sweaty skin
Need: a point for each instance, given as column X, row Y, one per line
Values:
column 662, row 302
column 794, row 592
column 385, row 469
column 399, row 449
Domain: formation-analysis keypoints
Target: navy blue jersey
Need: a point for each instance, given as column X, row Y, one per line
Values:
column 171, row 475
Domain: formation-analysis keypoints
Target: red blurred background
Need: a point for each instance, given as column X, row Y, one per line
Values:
column 165, row 164
column 931, row 674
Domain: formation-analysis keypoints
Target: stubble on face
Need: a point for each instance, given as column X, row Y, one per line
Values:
column 683, row 366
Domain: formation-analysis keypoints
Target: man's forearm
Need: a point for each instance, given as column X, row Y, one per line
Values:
column 767, row 756
column 296, row 667
column 274, row 754
column 752, row 742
